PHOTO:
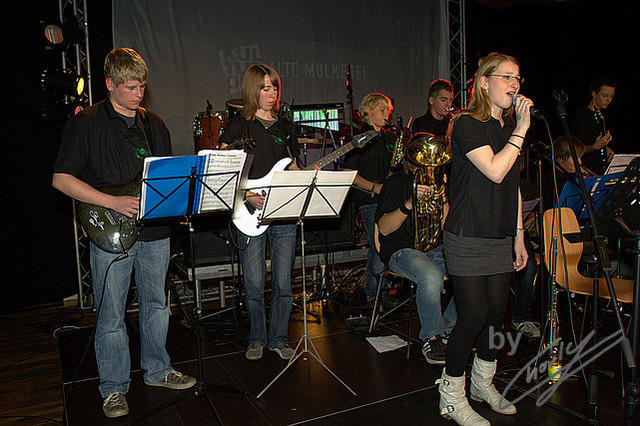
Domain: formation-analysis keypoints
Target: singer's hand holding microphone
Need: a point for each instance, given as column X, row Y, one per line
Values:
column 524, row 107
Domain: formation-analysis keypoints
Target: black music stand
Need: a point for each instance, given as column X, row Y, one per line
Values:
column 623, row 204
column 180, row 188
column 602, row 261
column 299, row 195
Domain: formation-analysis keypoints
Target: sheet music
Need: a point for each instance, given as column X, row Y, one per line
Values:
column 221, row 176
column 288, row 192
column 331, row 190
column 620, row 162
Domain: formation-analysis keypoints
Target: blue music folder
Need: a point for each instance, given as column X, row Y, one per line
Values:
column 165, row 189
column 598, row 187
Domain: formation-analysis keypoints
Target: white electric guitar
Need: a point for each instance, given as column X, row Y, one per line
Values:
column 247, row 218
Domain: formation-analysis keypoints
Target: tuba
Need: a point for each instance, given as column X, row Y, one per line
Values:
column 428, row 154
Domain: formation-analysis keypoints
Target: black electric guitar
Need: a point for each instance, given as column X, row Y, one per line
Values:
column 113, row 231
column 603, row 157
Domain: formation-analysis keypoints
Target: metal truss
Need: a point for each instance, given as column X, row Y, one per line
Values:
column 77, row 59
column 457, row 51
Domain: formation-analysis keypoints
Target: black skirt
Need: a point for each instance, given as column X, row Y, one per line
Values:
column 472, row 256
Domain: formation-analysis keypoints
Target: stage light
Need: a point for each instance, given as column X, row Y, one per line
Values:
column 59, row 36
column 62, row 83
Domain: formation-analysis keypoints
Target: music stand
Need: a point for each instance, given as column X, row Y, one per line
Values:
column 298, row 195
column 180, row 188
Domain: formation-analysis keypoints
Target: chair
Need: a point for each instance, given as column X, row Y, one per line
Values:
column 573, row 280
column 412, row 294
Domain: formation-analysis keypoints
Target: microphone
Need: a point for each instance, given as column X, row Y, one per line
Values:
column 534, row 111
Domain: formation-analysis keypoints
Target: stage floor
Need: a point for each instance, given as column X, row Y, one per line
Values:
column 391, row 389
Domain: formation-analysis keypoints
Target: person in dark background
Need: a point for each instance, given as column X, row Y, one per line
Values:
column 261, row 94
column 436, row 119
column 589, row 125
column 424, row 264
column 565, row 170
column 373, row 163
column 105, row 146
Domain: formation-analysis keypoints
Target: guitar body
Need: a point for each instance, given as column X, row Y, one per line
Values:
column 246, row 219
column 106, row 228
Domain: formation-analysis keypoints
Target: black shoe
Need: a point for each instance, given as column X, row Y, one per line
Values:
column 434, row 350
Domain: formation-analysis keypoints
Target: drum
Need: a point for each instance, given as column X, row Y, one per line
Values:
column 207, row 128
column 234, row 108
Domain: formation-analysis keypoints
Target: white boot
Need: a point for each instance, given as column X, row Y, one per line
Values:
column 482, row 388
column 454, row 404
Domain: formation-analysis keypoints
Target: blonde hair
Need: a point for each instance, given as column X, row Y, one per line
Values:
column 372, row 100
column 252, row 84
column 480, row 104
column 124, row 64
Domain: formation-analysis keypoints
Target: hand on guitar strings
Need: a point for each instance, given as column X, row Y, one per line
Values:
column 126, row 204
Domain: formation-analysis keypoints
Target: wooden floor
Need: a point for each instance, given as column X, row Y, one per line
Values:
column 42, row 349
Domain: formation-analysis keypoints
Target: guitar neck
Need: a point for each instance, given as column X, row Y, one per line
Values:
column 321, row 163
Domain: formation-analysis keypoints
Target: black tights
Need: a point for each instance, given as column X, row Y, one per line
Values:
column 481, row 303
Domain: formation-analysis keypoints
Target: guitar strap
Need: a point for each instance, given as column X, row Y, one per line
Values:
column 146, row 127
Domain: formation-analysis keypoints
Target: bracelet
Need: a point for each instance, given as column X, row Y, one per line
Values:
column 519, row 229
column 404, row 209
column 373, row 186
column 517, row 136
column 515, row 145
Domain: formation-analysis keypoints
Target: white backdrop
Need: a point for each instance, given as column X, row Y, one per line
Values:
column 198, row 50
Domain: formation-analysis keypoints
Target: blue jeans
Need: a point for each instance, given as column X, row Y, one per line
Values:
column 375, row 265
column 427, row 271
column 150, row 260
column 282, row 249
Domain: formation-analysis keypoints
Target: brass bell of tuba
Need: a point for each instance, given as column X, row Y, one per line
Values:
column 428, row 155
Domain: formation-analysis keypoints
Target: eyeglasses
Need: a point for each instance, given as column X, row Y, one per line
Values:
column 509, row 78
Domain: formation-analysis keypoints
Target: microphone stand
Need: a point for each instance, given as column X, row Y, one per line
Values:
column 603, row 262
column 349, row 100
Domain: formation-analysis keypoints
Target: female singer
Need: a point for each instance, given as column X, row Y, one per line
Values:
column 483, row 230
column 259, row 120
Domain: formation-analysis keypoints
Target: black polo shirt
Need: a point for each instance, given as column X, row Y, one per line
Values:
column 272, row 144
column 428, row 123
column 479, row 207
column 99, row 148
column 372, row 162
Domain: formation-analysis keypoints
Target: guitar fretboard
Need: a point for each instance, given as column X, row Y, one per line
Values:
column 331, row 157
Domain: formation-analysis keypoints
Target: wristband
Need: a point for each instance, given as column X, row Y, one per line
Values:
column 519, row 230
column 373, row 186
column 514, row 145
column 517, row 136
column 404, row 209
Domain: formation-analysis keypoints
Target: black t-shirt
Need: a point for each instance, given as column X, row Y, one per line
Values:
column 272, row 144
column 372, row 162
column 100, row 149
column 395, row 191
column 428, row 123
column 587, row 125
column 480, row 207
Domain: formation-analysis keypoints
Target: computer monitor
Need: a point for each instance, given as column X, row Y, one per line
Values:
column 319, row 115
